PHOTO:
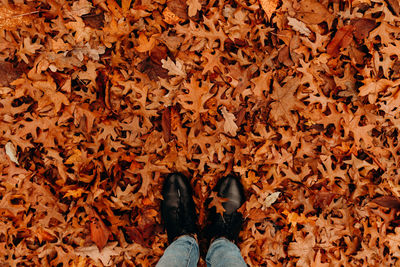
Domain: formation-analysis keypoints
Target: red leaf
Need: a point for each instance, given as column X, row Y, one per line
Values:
column 166, row 124
column 342, row 39
column 387, row 202
column 362, row 27
column 8, row 73
column 179, row 8
column 99, row 232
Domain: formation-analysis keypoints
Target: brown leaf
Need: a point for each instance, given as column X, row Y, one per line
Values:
column 166, row 124
column 14, row 16
column 8, row 73
column 394, row 4
column 99, row 232
column 387, row 202
column 216, row 202
column 342, row 39
column 158, row 53
column 313, row 12
column 152, row 69
column 96, row 21
column 179, row 8
column 362, row 27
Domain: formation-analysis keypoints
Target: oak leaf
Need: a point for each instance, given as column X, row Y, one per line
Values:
column 217, row 202
column 104, row 255
column 173, row 68
column 230, row 126
column 193, row 7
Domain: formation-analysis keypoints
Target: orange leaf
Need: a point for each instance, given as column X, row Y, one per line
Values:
column 99, row 232
column 217, row 202
column 144, row 43
column 342, row 39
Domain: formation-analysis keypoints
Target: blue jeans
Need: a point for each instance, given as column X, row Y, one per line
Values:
column 184, row 252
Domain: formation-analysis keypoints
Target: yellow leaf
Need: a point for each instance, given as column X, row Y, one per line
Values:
column 14, row 17
column 75, row 193
column 294, row 218
column 74, row 157
column 125, row 5
column 144, row 43
column 170, row 17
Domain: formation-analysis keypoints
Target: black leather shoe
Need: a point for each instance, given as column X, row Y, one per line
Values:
column 229, row 224
column 177, row 208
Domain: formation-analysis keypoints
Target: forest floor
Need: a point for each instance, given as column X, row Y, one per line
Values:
column 100, row 100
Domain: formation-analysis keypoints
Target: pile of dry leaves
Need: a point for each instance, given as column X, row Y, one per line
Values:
column 99, row 100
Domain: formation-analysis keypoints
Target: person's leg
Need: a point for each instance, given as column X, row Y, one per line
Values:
column 224, row 228
column 179, row 216
column 223, row 252
column 183, row 252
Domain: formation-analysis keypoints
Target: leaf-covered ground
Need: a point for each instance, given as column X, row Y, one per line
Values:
column 100, row 100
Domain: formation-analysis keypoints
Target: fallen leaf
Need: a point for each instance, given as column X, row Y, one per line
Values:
column 230, row 126
column 270, row 199
column 11, row 152
column 104, row 256
column 99, row 232
column 217, row 202
column 343, row 37
column 173, row 68
column 179, row 8
column 362, row 27
column 144, row 43
column 166, row 124
column 193, row 7
column 387, row 202
column 269, row 7
column 299, row 26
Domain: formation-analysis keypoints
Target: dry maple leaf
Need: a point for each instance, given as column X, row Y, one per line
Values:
column 144, row 43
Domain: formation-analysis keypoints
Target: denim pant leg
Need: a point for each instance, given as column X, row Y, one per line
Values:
column 222, row 253
column 183, row 252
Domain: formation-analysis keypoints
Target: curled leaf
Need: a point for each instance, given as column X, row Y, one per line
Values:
column 11, row 152
column 387, row 202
